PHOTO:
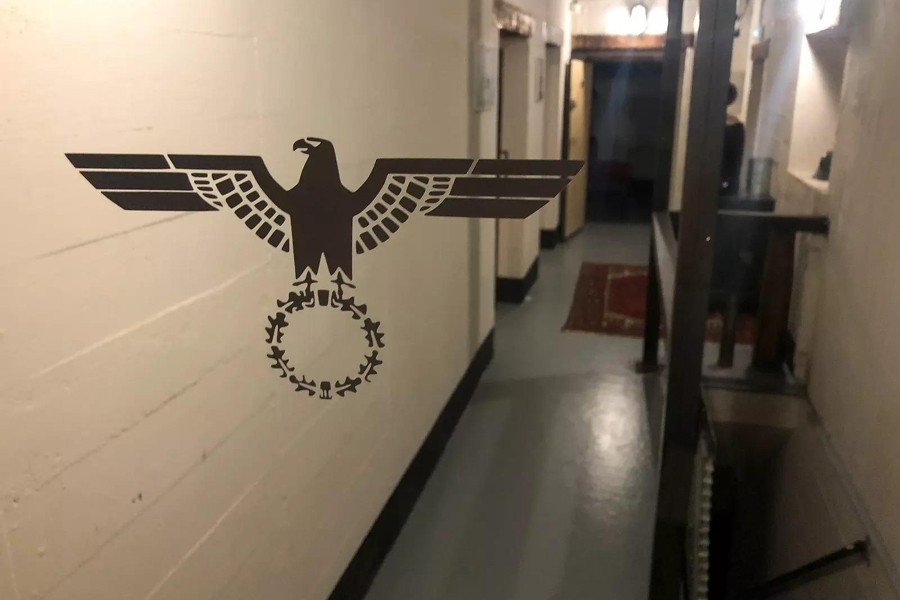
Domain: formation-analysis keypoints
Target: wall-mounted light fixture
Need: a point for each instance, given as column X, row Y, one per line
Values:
column 636, row 20
column 575, row 6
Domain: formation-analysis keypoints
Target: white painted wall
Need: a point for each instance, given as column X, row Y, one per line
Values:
column 559, row 13
column 553, row 119
column 817, row 104
column 518, row 244
column 146, row 450
column 853, row 376
column 522, row 137
column 683, row 110
column 845, row 311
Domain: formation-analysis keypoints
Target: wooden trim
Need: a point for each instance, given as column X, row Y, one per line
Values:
column 360, row 573
column 514, row 290
column 774, row 302
column 590, row 42
column 816, row 224
column 632, row 56
column 618, row 42
column 746, row 203
column 755, row 385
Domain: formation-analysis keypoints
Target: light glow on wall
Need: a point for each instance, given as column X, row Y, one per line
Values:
column 658, row 20
column 618, row 21
column 819, row 15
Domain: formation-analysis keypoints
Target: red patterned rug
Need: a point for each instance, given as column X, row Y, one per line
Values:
column 610, row 299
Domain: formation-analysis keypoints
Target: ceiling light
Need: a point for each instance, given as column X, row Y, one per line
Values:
column 617, row 21
column 638, row 20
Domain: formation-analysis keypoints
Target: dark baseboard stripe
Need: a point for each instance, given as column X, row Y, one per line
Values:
column 359, row 574
column 549, row 238
column 515, row 290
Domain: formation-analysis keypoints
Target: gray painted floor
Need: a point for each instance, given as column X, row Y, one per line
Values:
column 546, row 489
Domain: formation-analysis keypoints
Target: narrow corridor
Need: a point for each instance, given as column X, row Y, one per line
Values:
column 545, row 490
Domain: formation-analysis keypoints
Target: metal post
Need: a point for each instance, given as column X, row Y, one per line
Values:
column 709, row 90
column 669, row 88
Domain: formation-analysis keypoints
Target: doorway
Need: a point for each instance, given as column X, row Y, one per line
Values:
column 517, row 240
column 578, row 118
column 550, row 92
column 624, row 130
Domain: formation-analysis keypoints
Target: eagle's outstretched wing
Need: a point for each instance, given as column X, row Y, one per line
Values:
column 188, row 182
column 505, row 189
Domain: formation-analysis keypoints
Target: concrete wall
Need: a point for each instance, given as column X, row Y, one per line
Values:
column 146, row 449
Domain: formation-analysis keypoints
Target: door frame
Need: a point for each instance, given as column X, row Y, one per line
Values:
column 564, row 147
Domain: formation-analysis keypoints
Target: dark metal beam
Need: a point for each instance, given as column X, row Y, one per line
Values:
column 795, row 223
column 706, row 128
column 669, row 88
column 666, row 259
column 668, row 106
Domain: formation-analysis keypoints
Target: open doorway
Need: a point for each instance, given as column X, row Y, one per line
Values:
column 577, row 132
column 624, row 129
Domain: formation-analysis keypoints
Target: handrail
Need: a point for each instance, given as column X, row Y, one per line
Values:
column 839, row 560
column 818, row 224
column 666, row 258
column 759, row 385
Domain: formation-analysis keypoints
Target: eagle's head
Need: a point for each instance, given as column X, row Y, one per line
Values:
column 313, row 145
column 321, row 169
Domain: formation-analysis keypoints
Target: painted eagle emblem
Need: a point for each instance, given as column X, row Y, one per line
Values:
column 320, row 218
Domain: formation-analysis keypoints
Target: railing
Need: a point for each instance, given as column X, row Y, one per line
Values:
column 769, row 352
column 699, row 528
column 689, row 540
column 846, row 557
column 774, row 293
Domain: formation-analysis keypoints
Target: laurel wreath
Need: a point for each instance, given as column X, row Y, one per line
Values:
column 305, row 298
